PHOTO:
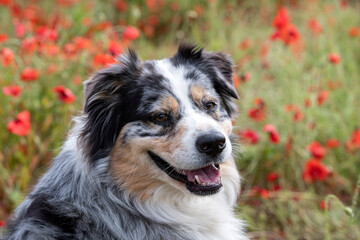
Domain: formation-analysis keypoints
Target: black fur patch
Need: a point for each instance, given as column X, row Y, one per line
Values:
column 40, row 210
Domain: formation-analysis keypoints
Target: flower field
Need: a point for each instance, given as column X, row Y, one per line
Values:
column 297, row 72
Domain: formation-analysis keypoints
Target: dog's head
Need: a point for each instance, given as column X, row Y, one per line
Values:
column 162, row 122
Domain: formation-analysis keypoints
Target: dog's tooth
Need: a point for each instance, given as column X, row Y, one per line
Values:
column 183, row 172
column 214, row 166
column 197, row 179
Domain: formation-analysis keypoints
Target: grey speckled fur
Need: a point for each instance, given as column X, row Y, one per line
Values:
column 101, row 209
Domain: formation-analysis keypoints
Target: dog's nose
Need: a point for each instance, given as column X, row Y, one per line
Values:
column 211, row 143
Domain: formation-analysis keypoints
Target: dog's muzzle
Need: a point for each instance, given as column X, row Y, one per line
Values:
column 202, row 181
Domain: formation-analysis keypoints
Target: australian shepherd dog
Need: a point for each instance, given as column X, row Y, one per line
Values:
column 149, row 158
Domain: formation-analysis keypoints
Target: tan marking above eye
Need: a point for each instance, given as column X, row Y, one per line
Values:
column 197, row 94
column 200, row 97
column 169, row 104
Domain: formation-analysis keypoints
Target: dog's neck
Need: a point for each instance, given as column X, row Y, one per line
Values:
column 213, row 214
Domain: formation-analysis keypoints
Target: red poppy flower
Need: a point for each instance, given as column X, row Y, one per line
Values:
column 81, row 43
column 281, row 18
column 353, row 143
column 289, row 34
column 46, row 34
column 152, row 4
column 332, row 143
column 77, row 80
column 21, row 125
column 3, row 37
column 249, row 136
column 307, row 102
column 2, row 224
column 199, row 9
column 315, row 26
column 334, row 58
column 322, row 205
column 20, row 28
column 333, row 85
column 115, row 48
column 29, row 45
column 316, row 150
column 7, row 56
column 292, row 34
column 12, row 90
column 70, row 49
column 49, row 49
column 29, row 75
column 272, row 177
column 258, row 113
column 273, row 133
column 64, row 94
column 314, row 170
column 131, row 33
column 103, row 59
column 288, row 107
column 264, row 193
column 245, row 44
column 121, row 5
column 254, row 190
column 236, row 81
column 354, row 32
column 322, row 96
column 245, row 77
column 275, row 187
column 298, row 116
column 284, row 29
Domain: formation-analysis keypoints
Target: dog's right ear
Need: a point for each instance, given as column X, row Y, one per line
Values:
column 104, row 96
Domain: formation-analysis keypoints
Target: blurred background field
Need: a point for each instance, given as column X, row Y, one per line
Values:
column 297, row 71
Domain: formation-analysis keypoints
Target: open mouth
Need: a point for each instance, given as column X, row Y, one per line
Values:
column 203, row 181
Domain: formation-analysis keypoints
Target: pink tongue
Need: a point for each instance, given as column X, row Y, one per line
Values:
column 206, row 175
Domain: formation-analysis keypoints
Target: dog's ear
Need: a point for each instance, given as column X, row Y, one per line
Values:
column 223, row 79
column 104, row 95
column 128, row 65
column 224, row 65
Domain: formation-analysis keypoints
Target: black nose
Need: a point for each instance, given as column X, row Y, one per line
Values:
column 211, row 143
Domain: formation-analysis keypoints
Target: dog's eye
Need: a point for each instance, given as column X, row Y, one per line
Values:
column 210, row 105
column 162, row 117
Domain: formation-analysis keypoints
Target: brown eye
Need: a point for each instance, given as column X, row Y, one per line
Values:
column 161, row 117
column 210, row 105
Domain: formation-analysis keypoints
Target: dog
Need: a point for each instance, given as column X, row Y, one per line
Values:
column 150, row 157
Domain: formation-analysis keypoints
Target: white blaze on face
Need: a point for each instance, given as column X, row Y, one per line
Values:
column 196, row 122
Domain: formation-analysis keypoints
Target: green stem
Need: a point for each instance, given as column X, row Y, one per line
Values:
column 327, row 202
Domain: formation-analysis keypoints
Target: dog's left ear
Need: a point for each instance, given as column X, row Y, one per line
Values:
column 223, row 64
column 223, row 81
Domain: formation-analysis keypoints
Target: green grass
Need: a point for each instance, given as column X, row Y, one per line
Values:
column 279, row 78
